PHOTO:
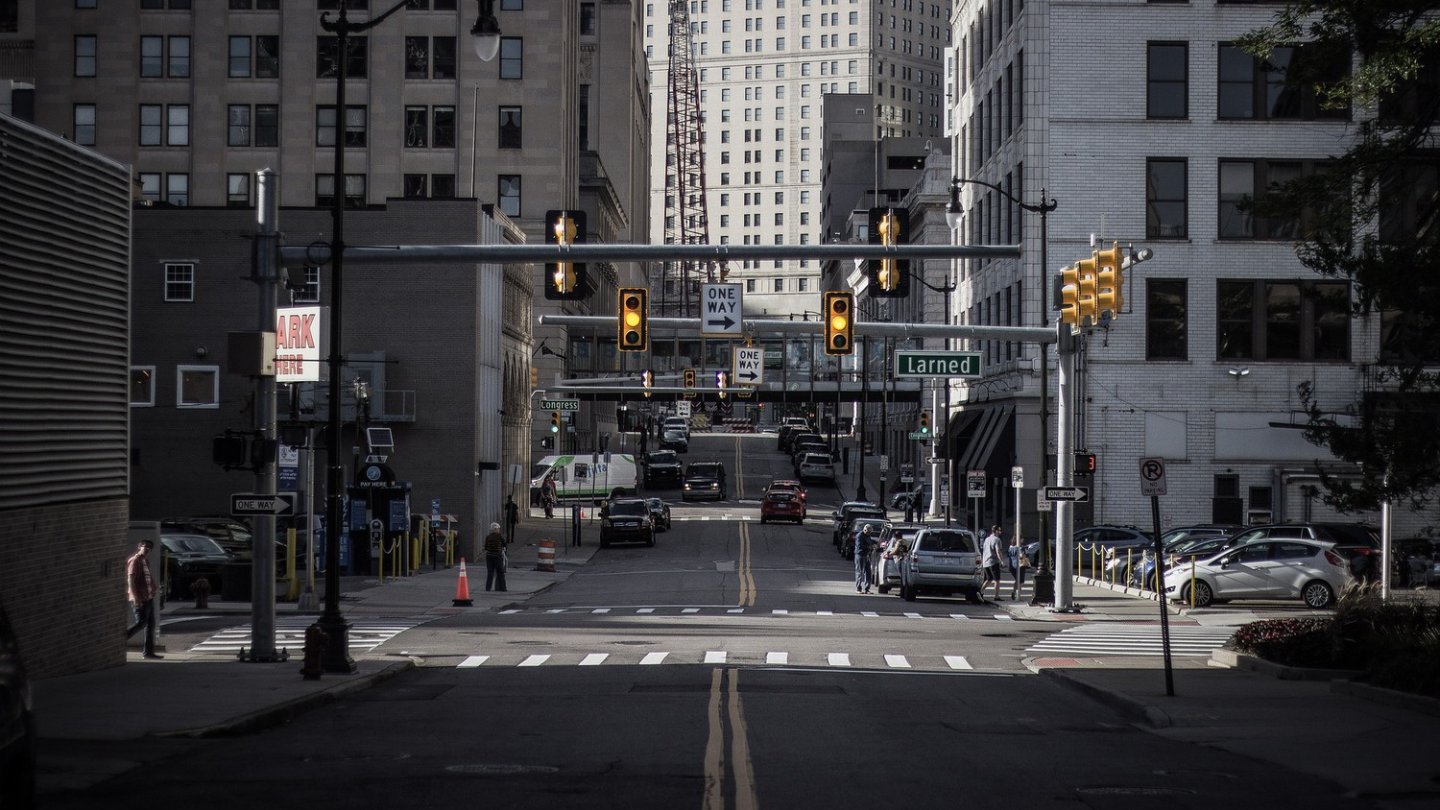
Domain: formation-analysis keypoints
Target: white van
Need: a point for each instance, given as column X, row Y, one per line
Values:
column 585, row 477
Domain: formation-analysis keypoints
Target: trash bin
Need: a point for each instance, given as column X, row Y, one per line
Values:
column 235, row 582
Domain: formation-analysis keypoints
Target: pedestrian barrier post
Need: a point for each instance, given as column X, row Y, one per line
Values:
column 545, row 556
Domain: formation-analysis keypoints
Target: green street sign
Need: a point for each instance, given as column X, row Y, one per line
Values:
column 937, row 364
column 559, row 404
column 919, row 435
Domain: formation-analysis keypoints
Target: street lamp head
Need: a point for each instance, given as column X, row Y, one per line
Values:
column 485, row 33
column 954, row 211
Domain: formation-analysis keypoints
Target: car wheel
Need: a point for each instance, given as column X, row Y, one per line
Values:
column 907, row 593
column 1317, row 594
column 1203, row 597
column 651, row 541
column 882, row 588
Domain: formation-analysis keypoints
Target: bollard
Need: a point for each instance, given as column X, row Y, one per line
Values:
column 545, row 556
column 201, row 589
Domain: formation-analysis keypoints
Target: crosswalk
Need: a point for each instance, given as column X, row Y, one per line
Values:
column 716, row 610
column 1112, row 638
column 365, row 634
column 770, row 658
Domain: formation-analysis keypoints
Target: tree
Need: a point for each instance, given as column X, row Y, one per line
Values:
column 1371, row 215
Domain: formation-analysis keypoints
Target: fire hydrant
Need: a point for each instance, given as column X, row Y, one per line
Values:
column 201, row 589
column 315, row 643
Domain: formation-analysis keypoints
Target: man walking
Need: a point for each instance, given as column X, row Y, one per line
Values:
column 990, row 559
column 864, row 544
column 512, row 517
column 495, row 558
column 142, row 592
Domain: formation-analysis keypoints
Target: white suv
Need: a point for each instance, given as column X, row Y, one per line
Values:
column 941, row 560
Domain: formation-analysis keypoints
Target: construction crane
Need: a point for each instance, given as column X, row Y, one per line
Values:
column 686, row 218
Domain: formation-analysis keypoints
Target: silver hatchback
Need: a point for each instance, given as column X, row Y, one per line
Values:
column 941, row 561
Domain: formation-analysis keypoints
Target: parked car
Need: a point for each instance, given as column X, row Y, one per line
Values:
column 848, row 510
column 662, row 467
column 782, row 504
column 1309, row 570
column 905, row 498
column 704, row 479
column 659, row 513
column 804, row 449
column 877, row 526
column 626, row 520
column 17, row 723
column 794, row 439
column 675, row 440
column 189, row 557
column 817, row 466
column 1357, row 543
column 233, row 536
column 894, row 545
column 941, row 560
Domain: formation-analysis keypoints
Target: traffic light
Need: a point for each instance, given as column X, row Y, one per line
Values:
column 722, row 380
column 534, row 377
column 689, row 378
column 839, row 322
column 634, row 317
column 889, row 278
column 1069, row 296
column 231, row 451
column 547, row 443
column 925, row 422
column 1085, row 312
column 554, row 421
column 1109, row 281
column 565, row 281
column 1084, row 463
column 647, row 379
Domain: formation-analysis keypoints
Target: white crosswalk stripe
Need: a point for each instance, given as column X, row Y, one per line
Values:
column 1111, row 638
column 957, row 662
column 838, row 659
column 364, row 635
column 673, row 610
column 775, row 658
column 897, row 661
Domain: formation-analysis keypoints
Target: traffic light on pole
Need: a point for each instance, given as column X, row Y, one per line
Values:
column 839, row 322
column 889, row 278
column 634, row 316
column 1085, row 312
column 722, row 380
column 689, row 378
column 554, row 421
column 1070, row 296
column 565, row 281
column 647, row 379
column 925, row 422
column 534, row 377
column 1109, row 281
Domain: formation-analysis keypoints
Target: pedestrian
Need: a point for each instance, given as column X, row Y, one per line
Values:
column 864, row 544
column 1019, row 561
column 547, row 496
column 495, row 558
column 512, row 517
column 142, row 591
column 990, row 556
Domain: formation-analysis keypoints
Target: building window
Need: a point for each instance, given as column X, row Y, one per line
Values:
column 179, row 57
column 444, row 134
column 587, row 20
column 267, row 57
column 309, row 291
column 240, row 57
column 237, row 191
column 512, row 58
column 84, row 124
column 267, row 125
column 417, row 57
column 780, row 285
column 508, row 194
column 1165, row 321
column 1282, row 320
column 142, row 386
column 325, row 190
column 803, row 284
column 150, row 186
column 1404, row 338
column 197, row 387
column 177, row 125
column 417, row 127
column 442, row 186
column 85, row 49
column 749, row 285
column 177, row 188
column 1167, row 76
column 414, row 187
column 179, row 281
column 238, row 125
column 152, row 57
column 354, row 125
column 151, row 124
column 1281, row 87
column 1241, row 182
column 1166, row 212
column 327, row 50
column 1408, row 197
column 510, row 128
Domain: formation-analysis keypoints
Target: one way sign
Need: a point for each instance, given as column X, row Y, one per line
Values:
column 247, row 503
column 721, row 316
column 749, row 365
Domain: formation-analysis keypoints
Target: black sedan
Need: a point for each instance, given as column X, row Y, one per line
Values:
column 659, row 513
column 675, row 440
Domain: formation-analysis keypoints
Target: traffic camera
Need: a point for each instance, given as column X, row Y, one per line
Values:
column 839, row 322
column 889, row 277
column 634, row 319
column 565, row 281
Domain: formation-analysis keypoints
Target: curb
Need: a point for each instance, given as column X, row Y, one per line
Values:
column 284, row 712
column 1389, row 697
column 1250, row 663
column 1128, row 707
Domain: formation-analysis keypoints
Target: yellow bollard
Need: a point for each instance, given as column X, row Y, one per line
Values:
column 1128, row 557
column 292, row 589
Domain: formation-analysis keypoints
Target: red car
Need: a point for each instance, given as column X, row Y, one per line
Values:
column 787, row 485
column 782, row 504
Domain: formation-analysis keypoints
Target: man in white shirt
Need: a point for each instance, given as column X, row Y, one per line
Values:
column 991, row 554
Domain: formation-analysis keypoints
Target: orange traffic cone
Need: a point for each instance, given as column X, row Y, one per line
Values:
column 462, row 588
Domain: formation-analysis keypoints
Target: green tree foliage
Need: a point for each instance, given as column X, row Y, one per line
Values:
column 1372, row 215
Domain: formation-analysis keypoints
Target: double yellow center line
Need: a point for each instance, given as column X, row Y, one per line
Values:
column 746, row 575
column 725, row 694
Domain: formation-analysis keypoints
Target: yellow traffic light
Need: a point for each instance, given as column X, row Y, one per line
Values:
column 634, row 319
column 1110, row 280
column 554, row 421
column 565, row 280
column 888, row 226
column 534, row 377
column 1069, row 296
column 839, row 322
column 1085, row 312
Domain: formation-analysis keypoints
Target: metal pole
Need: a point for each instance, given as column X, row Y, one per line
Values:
column 1043, row 580
column 1064, row 510
column 262, row 567
column 864, row 392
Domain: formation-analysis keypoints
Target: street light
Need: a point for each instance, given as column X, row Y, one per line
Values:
column 1044, row 578
column 486, row 34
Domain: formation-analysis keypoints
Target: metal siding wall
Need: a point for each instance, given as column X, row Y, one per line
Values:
column 64, row 321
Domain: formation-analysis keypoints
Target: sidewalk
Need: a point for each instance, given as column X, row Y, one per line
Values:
column 1334, row 730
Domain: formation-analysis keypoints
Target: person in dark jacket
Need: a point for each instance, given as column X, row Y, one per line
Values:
column 864, row 544
column 495, row 558
column 142, row 591
column 512, row 517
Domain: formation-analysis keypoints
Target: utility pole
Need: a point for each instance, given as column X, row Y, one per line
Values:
column 266, row 278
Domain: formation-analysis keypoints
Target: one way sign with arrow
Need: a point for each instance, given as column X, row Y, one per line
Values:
column 749, row 365
column 722, row 308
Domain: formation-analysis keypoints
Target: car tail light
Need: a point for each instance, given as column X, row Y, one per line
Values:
column 1334, row 559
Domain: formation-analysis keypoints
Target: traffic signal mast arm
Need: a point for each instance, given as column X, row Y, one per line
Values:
column 779, row 326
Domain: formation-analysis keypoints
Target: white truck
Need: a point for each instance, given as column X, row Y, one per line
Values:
column 586, row 477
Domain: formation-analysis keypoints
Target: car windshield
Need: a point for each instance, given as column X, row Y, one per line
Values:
column 191, row 544
column 629, row 508
column 947, row 541
column 665, row 457
column 705, row 470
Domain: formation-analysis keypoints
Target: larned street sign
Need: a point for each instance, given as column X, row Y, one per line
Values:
column 1067, row 493
column 244, row 503
column 937, row 364
column 559, row 404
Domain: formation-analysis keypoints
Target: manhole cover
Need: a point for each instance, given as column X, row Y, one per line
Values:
column 500, row 769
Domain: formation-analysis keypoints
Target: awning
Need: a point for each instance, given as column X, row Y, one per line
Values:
column 992, row 423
